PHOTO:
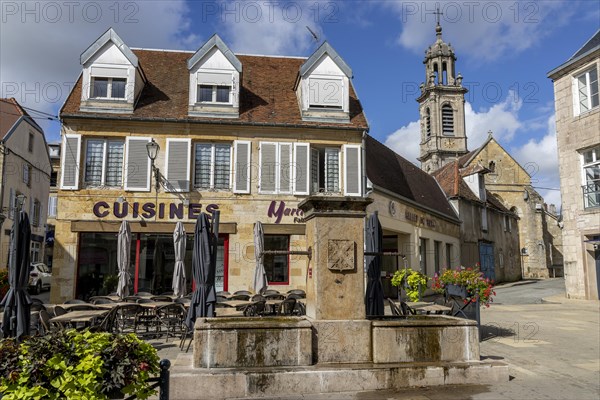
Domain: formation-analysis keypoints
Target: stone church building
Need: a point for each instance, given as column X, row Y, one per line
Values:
column 506, row 227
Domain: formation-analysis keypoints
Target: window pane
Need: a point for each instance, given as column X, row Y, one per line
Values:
column 223, row 94
column 93, row 162
column 202, row 165
column 583, row 93
column 204, row 93
column 588, row 156
column 332, row 170
column 99, row 87
column 594, row 87
column 118, row 88
column 276, row 266
column 114, row 164
column 592, row 173
column 222, row 163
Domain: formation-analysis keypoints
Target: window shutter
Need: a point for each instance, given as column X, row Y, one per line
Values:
column 11, row 204
column 70, row 161
column 301, row 168
column 285, row 168
column 137, row 164
column 352, row 170
column 268, row 167
column 213, row 78
column 314, row 170
column 31, row 211
column 241, row 167
column 177, row 169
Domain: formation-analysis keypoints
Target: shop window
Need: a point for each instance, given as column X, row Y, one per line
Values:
column 104, row 163
column 212, row 166
column 277, row 266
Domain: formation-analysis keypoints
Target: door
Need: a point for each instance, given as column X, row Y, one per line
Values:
column 222, row 263
column 389, row 265
column 486, row 260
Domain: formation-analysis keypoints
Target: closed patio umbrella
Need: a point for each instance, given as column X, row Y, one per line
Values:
column 260, row 275
column 123, row 252
column 17, row 303
column 204, row 297
column 179, row 241
column 374, row 241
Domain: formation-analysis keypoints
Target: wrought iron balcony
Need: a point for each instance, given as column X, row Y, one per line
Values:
column 591, row 195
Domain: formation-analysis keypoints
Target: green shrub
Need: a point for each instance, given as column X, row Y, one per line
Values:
column 414, row 282
column 76, row 365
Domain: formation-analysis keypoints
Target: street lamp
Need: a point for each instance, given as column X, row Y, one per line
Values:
column 153, row 148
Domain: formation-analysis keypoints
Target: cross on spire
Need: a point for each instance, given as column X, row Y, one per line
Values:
column 437, row 15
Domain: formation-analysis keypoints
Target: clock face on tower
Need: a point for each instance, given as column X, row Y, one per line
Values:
column 449, row 143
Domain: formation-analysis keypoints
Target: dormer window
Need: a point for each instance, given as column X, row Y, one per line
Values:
column 108, row 88
column 214, row 94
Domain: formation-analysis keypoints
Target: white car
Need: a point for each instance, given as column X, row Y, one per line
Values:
column 39, row 278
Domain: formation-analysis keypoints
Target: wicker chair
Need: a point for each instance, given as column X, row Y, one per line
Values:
column 170, row 317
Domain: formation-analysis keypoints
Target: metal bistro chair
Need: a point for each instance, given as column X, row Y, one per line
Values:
column 108, row 323
column 243, row 292
column 244, row 297
column 127, row 317
column 275, row 296
column 103, row 301
column 300, row 308
column 271, row 291
column 162, row 298
column 171, row 317
column 255, row 309
column 223, row 293
column 45, row 324
column 287, row 306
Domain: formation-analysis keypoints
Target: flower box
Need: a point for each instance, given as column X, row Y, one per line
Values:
column 456, row 290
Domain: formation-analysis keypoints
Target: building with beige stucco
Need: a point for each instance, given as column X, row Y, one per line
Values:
column 577, row 106
column 25, row 174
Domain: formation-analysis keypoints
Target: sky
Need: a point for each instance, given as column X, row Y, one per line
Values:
column 504, row 48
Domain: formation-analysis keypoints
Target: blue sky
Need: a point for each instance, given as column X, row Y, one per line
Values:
column 504, row 49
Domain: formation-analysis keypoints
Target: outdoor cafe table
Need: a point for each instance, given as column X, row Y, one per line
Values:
column 236, row 303
column 85, row 316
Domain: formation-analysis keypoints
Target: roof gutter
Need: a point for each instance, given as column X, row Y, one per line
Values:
column 417, row 205
column 210, row 122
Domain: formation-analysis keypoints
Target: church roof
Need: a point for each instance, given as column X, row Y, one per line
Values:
column 439, row 48
column 390, row 171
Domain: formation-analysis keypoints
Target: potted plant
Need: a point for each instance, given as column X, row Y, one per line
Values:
column 414, row 282
column 468, row 283
column 72, row 364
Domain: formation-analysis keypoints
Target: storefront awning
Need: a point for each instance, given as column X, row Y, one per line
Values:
column 143, row 227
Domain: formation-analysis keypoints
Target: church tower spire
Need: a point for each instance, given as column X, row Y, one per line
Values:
column 441, row 106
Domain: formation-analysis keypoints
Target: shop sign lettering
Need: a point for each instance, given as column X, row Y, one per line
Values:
column 278, row 210
column 411, row 216
column 151, row 210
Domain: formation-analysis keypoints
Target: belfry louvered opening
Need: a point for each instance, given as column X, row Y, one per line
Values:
column 447, row 119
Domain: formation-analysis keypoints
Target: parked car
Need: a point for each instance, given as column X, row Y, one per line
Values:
column 39, row 278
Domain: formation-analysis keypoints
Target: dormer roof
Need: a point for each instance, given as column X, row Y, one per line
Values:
column 215, row 41
column 325, row 48
column 109, row 36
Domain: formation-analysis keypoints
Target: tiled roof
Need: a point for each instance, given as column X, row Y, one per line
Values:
column 450, row 178
column 10, row 112
column 394, row 173
column 267, row 93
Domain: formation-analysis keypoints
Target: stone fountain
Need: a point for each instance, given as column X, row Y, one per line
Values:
column 334, row 348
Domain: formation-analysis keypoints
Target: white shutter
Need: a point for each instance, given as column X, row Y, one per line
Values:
column 71, row 157
column 285, row 168
column 328, row 92
column 107, row 72
column 301, row 168
column 212, row 78
column 177, row 165
column 241, row 166
column 352, row 170
column 268, row 167
column 137, row 164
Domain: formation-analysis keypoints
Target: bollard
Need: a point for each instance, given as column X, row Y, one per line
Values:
column 164, row 379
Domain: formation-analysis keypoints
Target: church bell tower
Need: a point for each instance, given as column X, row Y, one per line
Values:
column 441, row 107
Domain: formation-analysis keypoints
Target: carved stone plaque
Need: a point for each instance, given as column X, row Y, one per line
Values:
column 340, row 255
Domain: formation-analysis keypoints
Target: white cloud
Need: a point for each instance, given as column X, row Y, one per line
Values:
column 540, row 159
column 269, row 28
column 486, row 30
column 502, row 119
column 40, row 43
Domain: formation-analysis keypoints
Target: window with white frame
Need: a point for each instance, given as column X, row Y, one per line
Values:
column 52, row 206
column 34, row 252
column 212, row 166
column 325, row 170
column 37, row 208
column 104, row 162
column 108, row 88
column 586, row 91
column 591, row 177
column 214, row 94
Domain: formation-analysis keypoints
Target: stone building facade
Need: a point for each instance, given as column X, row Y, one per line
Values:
column 539, row 232
column 576, row 101
column 249, row 136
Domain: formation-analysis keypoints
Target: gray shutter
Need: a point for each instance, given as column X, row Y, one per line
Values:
column 352, row 170
column 314, row 170
column 178, row 165
column 301, row 168
column 241, row 167
column 268, row 167
column 137, row 165
column 70, row 162
column 285, row 168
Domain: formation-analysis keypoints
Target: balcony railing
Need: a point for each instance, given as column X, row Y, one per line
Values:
column 591, row 195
